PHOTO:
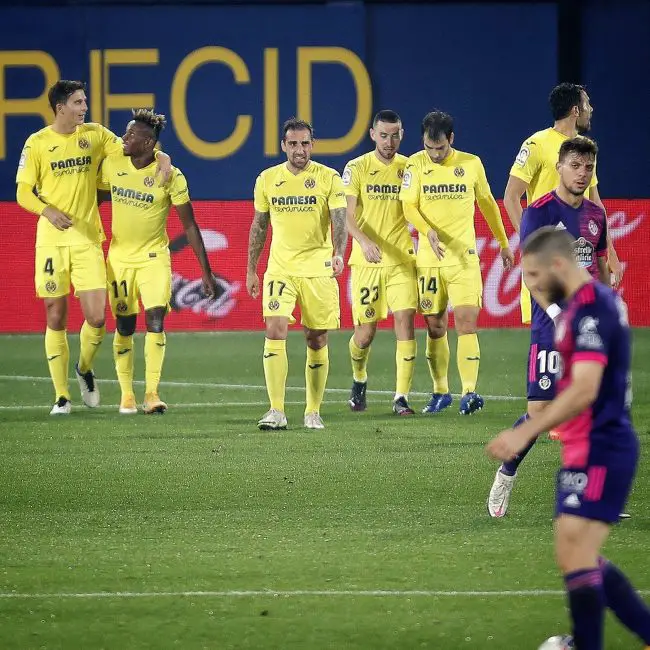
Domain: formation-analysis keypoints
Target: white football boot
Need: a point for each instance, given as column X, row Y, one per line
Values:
column 272, row 420
column 499, row 498
column 88, row 387
column 314, row 421
column 62, row 406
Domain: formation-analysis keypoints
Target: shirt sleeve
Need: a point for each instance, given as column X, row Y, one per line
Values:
column 111, row 144
column 488, row 206
column 29, row 164
column 178, row 191
column 260, row 199
column 104, row 175
column 592, row 334
column 410, row 190
column 601, row 246
column 532, row 219
column 336, row 198
column 528, row 161
column 350, row 179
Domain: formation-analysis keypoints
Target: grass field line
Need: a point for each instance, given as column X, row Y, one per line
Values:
column 201, row 384
column 333, row 593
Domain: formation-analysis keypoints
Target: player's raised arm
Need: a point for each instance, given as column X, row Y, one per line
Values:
column 186, row 215
column 350, row 179
column 490, row 211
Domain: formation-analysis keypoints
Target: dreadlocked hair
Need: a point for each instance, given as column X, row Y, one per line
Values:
column 156, row 121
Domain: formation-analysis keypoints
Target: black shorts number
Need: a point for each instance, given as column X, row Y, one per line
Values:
column 116, row 288
column 365, row 294
column 431, row 286
column 281, row 286
column 49, row 266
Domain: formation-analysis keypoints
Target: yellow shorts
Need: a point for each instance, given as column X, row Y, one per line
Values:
column 150, row 281
column 318, row 299
column 56, row 267
column 376, row 289
column 526, row 307
column 459, row 285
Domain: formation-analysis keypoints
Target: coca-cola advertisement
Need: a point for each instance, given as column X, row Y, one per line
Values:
column 225, row 224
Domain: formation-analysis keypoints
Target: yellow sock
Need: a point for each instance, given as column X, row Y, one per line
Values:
column 154, row 355
column 405, row 362
column 58, row 358
column 90, row 339
column 438, row 362
column 316, row 370
column 124, row 355
column 468, row 357
column 276, row 367
column 359, row 358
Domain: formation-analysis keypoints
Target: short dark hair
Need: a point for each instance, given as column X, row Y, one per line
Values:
column 156, row 121
column 436, row 124
column 547, row 241
column 294, row 124
column 563, row 98
column 61, row 90
column 390, row 117
column 581, row 145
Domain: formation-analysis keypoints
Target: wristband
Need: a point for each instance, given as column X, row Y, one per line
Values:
column 553, row 311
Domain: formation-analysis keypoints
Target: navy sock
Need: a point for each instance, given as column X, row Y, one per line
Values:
column 624, row 601
column 510, row 468
column 587, row 605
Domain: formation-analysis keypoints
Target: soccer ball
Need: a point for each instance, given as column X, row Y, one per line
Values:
column 558, row 643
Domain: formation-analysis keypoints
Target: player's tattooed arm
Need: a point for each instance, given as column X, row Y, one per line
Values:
column 256, row 241
column 339, row 238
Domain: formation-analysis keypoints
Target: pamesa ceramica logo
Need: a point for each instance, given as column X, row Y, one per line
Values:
column 187, row 293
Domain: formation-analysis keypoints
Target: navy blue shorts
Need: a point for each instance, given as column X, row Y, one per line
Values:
column 543, row 367
column 598, row 492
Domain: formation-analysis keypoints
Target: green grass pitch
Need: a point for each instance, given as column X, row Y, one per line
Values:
column 196, row 530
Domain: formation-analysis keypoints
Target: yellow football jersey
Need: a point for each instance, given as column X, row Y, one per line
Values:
column 445, row 193
column 63, row 169
column 379, row 213
column 140, row 207
column 299, row 206
column 535, row 164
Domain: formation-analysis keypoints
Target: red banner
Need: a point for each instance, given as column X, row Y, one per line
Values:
column 225, row 230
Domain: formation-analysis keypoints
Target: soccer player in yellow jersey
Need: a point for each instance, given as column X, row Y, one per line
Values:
column 382, row 259
column 534, row 170
column 56, row 179
column 139, row 263
column 304, row 202
column 439, row 189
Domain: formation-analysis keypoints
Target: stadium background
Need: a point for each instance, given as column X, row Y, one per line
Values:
column 227, row 74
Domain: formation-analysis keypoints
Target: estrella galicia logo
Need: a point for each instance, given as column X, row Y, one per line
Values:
column 187, row 293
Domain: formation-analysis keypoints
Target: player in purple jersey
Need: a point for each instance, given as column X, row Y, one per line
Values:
column 600, row 448
column 564, row 209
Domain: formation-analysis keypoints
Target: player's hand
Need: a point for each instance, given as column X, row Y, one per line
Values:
column 507, row 258
column 438, row 250
column 163, row 168
column 617, row 270
column 371, row 251
column 337, row 265
column 58, row 219
column 210, row 288
column 505, row 446
column 252, row 284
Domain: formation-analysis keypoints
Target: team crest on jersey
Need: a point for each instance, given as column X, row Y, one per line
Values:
column 459, row 172
column 400, row 174
column 121, row 307
column 83, row 143
column 544, row 382
column 274, row 305
column 50, row 286
column 593, row 227
column 370, row 312
column 310, row 183
column 148, row 181
column 426, row 304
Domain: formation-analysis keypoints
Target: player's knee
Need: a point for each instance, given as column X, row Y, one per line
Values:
column 126, row 325
column 95, row 320
column 277, row 329
column 155, row 319
column 57, row 315
column 364, row 336
column 316, row 339
column 437, row 329
column 404, row 325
